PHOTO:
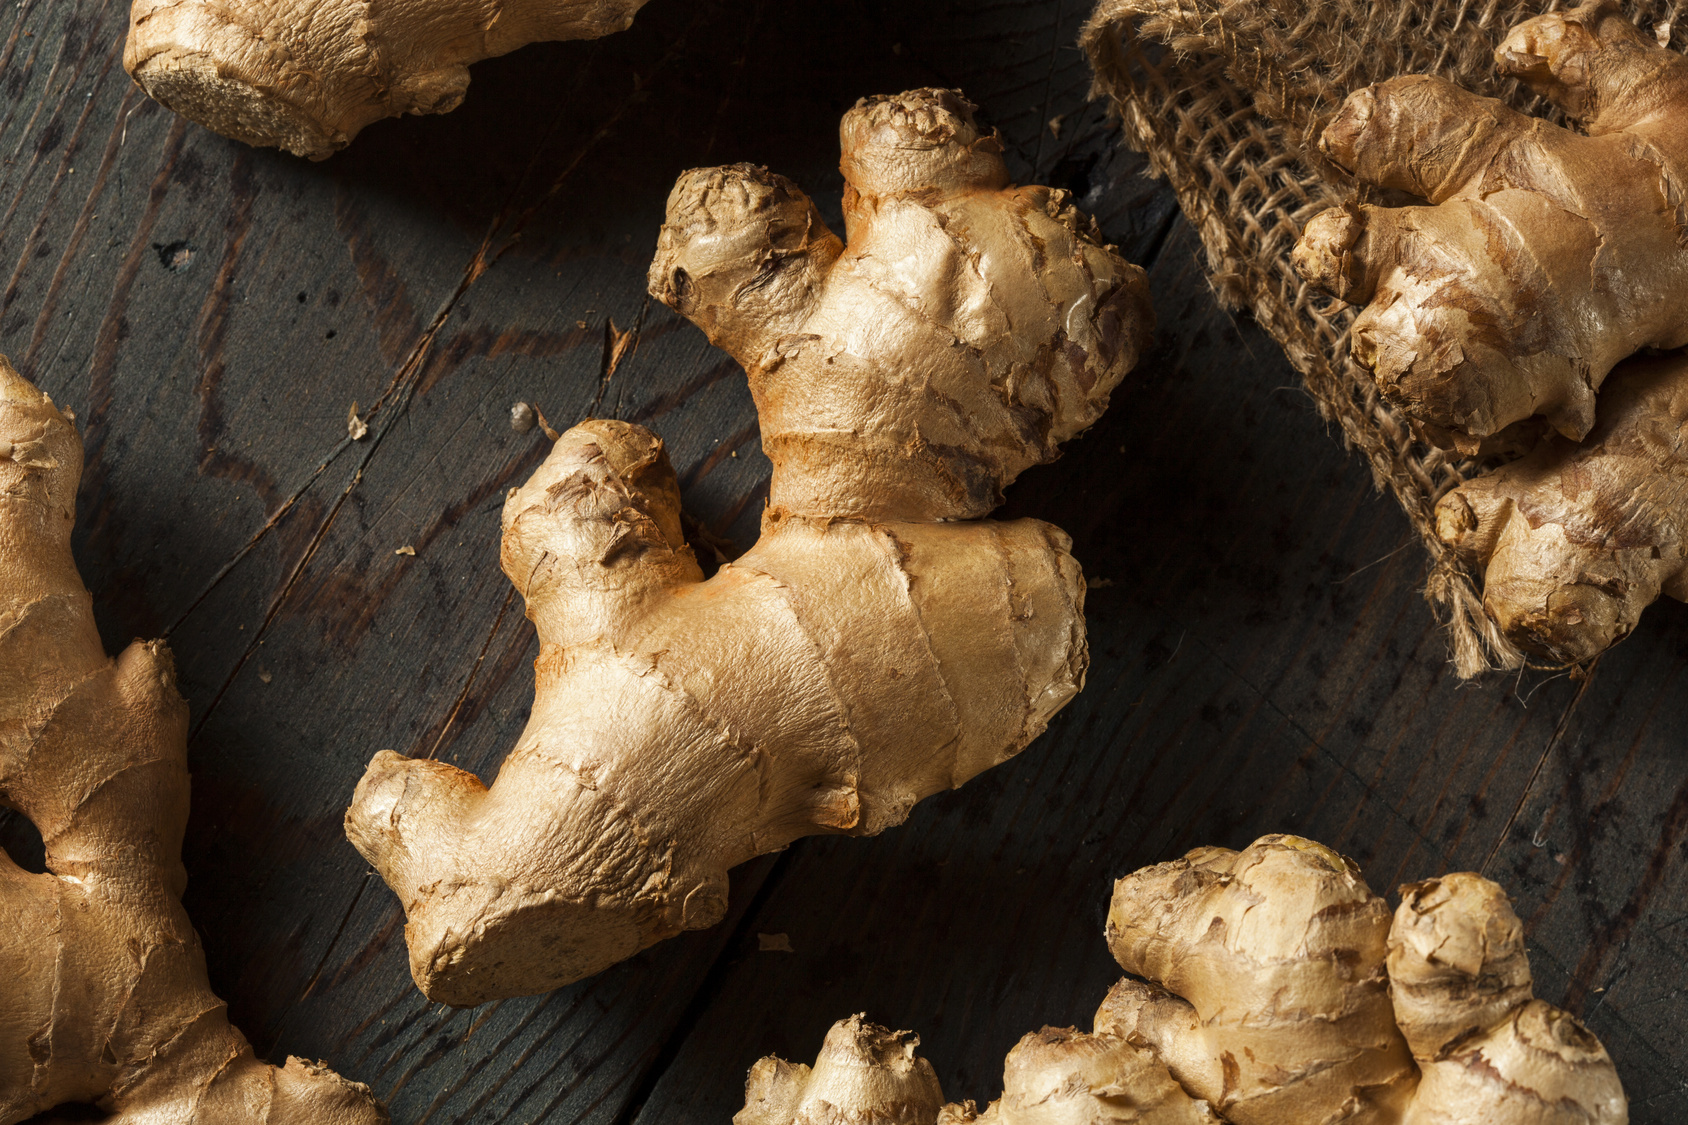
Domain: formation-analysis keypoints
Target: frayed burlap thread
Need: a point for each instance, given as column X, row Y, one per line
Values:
column 1228, row 98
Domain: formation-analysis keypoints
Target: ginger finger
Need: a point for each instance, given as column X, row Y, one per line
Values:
column 1577, row 539
column 1487, row 1050
column 1548, row 256
column 1597, row 66
column 1421, row 135
column 864, row 1073
column 1168, row 1028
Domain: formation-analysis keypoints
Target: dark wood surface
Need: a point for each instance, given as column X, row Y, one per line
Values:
column 1262, row 660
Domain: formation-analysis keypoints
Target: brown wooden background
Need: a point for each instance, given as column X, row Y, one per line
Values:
column 1262, row 660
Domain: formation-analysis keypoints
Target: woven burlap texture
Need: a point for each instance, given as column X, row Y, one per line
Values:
column 1228, row 98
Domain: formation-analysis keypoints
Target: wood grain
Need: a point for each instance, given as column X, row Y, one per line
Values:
column 1261, row 661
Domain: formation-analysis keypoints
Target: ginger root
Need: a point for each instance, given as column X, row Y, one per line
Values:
column 877, row 645
column 862, row 1067
column 1281, row 991
column 1577, row 539
column 1278, row 991
column 103, row 993
column 1544, row 256
column 307, row 75
column 869, row 1075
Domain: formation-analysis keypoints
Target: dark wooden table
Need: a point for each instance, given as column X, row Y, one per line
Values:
column 1262, row 659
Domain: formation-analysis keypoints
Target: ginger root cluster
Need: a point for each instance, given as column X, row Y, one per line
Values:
column 1540, row 259
column 1269, row 986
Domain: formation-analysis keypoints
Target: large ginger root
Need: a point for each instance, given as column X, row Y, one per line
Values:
column 1576, row 540
column 873, row 648
column 103, row 994
column 1279, row 992
column 1545, row 256
column 307, row 75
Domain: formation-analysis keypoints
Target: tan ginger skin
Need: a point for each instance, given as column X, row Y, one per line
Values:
column 103, row 993
column 878, row 644
column 307, row 75
column 1545, row 256
column 1276, row 990
column 1575, row 540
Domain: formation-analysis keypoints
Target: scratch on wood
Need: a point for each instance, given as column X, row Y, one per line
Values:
column 474, row 670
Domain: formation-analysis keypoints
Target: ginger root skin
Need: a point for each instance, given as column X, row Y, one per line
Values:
column 1544, row 256
column 103, row 992
column 1576, row 540
column 877, row 645
column 307, row 75
column 1279, row 991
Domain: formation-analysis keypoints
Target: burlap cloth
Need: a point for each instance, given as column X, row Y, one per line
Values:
column 1228, row 98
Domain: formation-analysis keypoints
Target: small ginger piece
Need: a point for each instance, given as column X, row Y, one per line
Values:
column 1271, row 987
column 1544, row 256
column 879, row 643
column 103, row 992
column 307, row 75
column 1575, row 540
column 864, row 1074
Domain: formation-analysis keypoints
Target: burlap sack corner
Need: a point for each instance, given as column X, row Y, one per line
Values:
column 1227, row 98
